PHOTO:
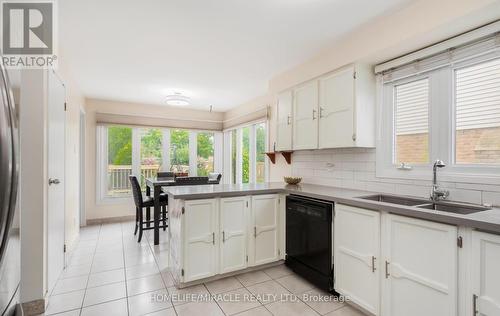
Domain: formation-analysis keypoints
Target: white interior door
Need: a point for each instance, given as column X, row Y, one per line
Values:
column 56, row 181
column 486, row 273
column 336, row 109
column 357, row 255
column 305, row 116
column 420, row 267
column 200, row 240
column 233, row 234
column 284, row 121
column 265, row 230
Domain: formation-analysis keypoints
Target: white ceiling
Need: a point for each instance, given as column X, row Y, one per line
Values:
column 218, row 52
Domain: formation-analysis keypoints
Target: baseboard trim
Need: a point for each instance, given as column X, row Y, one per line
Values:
column 107, row 220
column 36, row 307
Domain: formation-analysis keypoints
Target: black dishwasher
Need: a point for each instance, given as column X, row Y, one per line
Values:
column 309, row 239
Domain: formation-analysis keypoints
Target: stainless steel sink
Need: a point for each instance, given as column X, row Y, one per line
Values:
column 394, row 199
column 451, row 207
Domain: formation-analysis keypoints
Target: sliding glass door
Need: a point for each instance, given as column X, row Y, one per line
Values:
column 245, row 154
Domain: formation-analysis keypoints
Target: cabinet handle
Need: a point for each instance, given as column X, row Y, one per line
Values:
column 255, row 231
column 373, row 264
column 474, row 304
column 387, row 270
column 223, row 237
column 213, row 238
column 321, row 109
column 288, row 119
column 314, row 114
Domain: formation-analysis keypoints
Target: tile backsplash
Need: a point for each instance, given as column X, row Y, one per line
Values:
column 354, row 168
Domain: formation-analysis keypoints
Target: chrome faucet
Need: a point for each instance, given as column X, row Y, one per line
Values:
column 438, row 193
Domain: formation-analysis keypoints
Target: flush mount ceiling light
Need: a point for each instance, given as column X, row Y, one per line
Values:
column 177, row 99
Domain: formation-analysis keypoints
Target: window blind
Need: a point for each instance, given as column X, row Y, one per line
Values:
column 486, row 45
column 412, row 107
column 477, row 93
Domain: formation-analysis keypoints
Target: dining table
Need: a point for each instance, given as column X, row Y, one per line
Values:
column 155, row 185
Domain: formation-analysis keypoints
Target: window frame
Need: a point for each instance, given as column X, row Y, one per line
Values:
column 442, row 89
column 252, row 152
column 102, row 157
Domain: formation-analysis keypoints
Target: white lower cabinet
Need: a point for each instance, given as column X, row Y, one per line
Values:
column 228, row 234
column 233, row 234
column 419, row 268
column 200, row 240
column 357, row 255
column 485, row 274
column 265, row 236
column 393, row 265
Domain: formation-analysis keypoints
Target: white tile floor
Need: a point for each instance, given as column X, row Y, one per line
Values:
column 110, row 273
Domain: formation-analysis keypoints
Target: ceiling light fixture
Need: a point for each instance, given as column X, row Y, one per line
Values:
column 178, row 99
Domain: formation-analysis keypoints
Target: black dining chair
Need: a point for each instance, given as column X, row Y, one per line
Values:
column 165, row 174
column 191, row 180
column 146, row 202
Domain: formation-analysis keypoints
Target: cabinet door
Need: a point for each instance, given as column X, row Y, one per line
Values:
column 305, row 116
column 357, row 255
column 265, row 229
column 420, row 268
column 486, row 273
column 336, row 109
column 284, row 121
column 233, row 234
column 200, row 240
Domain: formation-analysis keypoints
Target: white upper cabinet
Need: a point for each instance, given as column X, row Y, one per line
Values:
column 200, row 240
column 347, row 108
column 336, row 110
column 419, row 268
column 305, row 116
column 357, row 255
column 284, row 121
column 486, row 274
column 265, row 239
column 233, row 234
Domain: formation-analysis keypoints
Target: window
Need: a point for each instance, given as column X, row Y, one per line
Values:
column 246, row 154
column 179, row 150
column 119, row 161
column 151, row 152
column 443, row 107
column 123, row 151
column 234, row 162
column 261, row 153
column 205, row 153
column 477, row 113
column 412, row 122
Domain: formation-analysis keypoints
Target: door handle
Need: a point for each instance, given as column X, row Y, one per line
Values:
column 321, row 109
column 387, row 270
column 288, row 119
column 314, row 114
column 54, row 181
column 373, row 264
column 255, row 231
column 223, row 237
column 474, row 304
column 213, row 238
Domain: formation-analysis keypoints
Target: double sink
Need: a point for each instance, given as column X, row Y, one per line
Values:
column 452, row 207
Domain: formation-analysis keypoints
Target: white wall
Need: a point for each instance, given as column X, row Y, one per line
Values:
column 355, row 169
column 413, row 27
column 33, row 185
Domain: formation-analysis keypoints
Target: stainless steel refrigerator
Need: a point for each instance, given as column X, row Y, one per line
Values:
column 9, row 170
